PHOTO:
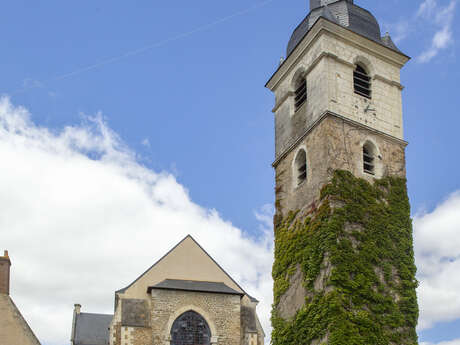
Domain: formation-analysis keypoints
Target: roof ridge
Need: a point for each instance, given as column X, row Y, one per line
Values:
column 156, row 262
column 228, row 275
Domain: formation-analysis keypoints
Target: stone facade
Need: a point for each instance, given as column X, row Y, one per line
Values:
column 327, row 58
column 334, row 123
column 185, row 280
column 222, row 313
column 334, row 143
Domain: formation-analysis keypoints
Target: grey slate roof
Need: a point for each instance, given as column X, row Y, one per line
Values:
column 344, row 13
column 197, row 286
column 92, row 329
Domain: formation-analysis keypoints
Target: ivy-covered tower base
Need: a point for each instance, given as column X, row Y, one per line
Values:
column 344, row 267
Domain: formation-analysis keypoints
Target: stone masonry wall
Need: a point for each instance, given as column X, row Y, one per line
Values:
column 334, row 144
column 328, row 65
column 222, row 312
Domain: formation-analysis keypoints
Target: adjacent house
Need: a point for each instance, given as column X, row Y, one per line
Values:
column 14, row 329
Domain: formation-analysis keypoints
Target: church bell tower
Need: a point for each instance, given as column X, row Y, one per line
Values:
column 344, row 268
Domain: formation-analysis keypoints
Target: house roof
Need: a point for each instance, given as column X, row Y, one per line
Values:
column 196, row 286
column 92, row 329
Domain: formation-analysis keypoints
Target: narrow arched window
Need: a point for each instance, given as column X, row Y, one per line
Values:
column 190, row 329
column 300, row 92
column 369, row 153
column 300, row 167
column 362, row 82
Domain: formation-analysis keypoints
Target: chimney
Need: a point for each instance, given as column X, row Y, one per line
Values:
column 76, row 312
column 77, row 308
column 5, row 265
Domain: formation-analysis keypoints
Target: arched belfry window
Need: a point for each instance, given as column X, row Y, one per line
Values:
column 190, row 329
column 362, row 82
column 300, row 167
column 300, row 92
column 369, row 154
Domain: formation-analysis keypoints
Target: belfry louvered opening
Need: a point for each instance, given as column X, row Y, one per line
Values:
column 369, row 158
column 301, row 166
column 300, row 92
column 362, row 82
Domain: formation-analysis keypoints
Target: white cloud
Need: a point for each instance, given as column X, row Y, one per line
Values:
column 426, row 8
column 30, row 83
column 437, row 247
column 430, row 19
column 146, row 142
column 443, row 18
column 400, row 31
column 452, row 342
column 82, row 218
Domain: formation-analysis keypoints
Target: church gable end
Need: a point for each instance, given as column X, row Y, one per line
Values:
column 185, row 298
column 186, row 261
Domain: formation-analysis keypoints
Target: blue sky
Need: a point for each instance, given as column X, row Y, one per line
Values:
column 179, row 88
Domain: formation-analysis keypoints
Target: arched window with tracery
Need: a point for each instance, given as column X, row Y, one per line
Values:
column 369, row 154
column 300, row 166
column 300, row 93
column 190, row 329
column 362, row 82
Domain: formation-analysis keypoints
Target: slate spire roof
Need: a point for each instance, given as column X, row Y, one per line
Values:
column 326, row 13
column 344, row 13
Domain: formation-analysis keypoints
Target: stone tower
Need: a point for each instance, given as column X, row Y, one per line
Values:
column 344, row 267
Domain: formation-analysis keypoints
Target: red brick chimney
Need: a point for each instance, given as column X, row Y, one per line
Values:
column 5, row 265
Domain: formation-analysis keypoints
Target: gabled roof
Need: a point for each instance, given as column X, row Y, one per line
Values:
column 193, row 244
column 196, row 286
column 92, row 329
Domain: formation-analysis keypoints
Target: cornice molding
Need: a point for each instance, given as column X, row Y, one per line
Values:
column 323, row 116
column 324, row 26
column 388, row 81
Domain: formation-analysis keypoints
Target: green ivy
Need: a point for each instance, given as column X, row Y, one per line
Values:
column 363, row 232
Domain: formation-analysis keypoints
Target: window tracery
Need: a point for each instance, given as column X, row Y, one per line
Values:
column 190, row 329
